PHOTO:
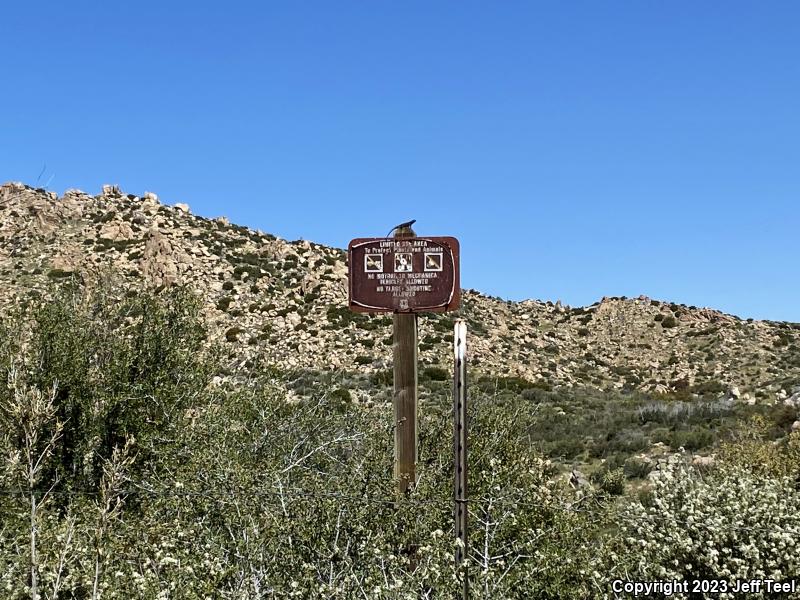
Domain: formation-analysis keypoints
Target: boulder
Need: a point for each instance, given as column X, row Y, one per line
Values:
column 116, row 231
column 69, row 259
column 14, row 186
column 158, row 263
column 703, row 461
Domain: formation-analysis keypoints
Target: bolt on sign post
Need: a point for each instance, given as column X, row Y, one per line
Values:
column 404, row 275
column 460, row 511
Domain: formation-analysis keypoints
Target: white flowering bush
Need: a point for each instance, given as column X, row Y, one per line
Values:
column 732, row 524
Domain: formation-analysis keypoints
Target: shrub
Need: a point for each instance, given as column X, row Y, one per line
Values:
column 696, row 438
column 342, row 316
column 340, row 398
column 566, row 448
column 627, row 441
column 708, row 388
column 383, row 377
column 677, row 412
column 514, row 384
column 123, row 368
column 762, row 455
column 232, row 334
column 637, row 468
column 613, row 482
column 669, row 322
column 731, row 524
column 436, row 373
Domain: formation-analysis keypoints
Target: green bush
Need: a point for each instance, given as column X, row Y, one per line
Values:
column 613, row 482
column 340, row 398
column 436, row 374
column 565, row 448
column 232, row 334
column 383, row 377
column 693, row 439
column 628, row 441
column 669, row 322
column 123, row 368
column 711, row 388
column 637, row 468
column 515, row 384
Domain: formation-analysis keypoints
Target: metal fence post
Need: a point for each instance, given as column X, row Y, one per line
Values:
column 460, row 509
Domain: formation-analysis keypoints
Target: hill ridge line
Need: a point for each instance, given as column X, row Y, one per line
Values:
column 284, row 300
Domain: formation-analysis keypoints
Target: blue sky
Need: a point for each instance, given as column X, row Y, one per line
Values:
column 576, row 149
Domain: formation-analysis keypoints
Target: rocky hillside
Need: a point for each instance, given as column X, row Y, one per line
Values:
column 287, row 300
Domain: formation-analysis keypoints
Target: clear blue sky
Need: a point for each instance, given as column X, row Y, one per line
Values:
column 577, row 149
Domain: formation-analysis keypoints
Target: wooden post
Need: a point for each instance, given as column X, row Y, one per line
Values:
column 460, row 509
column 405, row 392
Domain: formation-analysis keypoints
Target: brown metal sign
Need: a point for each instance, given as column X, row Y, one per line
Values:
column 415, row 274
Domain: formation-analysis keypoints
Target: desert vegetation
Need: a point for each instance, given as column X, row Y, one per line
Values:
column 133, row 467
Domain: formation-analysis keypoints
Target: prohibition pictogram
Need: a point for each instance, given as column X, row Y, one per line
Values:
column 403, row 262
column 433, row 261
column 373, row 263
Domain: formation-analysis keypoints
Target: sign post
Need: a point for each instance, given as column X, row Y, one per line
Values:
column 404, row 275
column 404, row 329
